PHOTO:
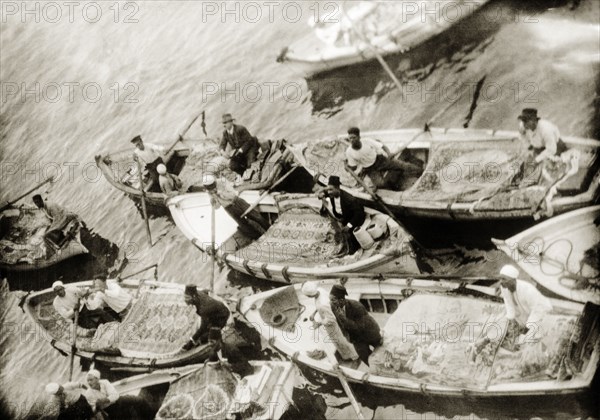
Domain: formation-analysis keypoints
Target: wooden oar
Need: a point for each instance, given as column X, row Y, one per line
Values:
column 119, row 278
column 381, row 203
column 186, row 129
column 340, row 375
column 10, row 203
column 144, row 211
column 74, row 340
column 214, row 251
column 373, row 49
column 268, row 190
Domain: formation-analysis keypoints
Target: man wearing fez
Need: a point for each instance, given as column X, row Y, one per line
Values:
column 213, row 312
column 541, row 135
column 149, row 155
column 238, row 145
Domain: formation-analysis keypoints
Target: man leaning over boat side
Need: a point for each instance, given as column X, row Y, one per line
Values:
column 99, row 394
column 238, row 145
column 213, row 313
column 344, row 349
column 62, row 222
column 362, row 329
column 253, row 225
column 542, row 136
column 371, row 158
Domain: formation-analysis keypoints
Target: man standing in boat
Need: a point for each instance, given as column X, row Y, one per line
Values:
column 362, row 329
column 352, row 214
column 253, row 225
column 238, row 145
column 370, row 158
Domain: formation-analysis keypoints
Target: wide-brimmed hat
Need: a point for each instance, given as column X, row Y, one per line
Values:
column 338, row 291
column 528, row 114
column 334, row 181
column 227, row 118
column 136, row 139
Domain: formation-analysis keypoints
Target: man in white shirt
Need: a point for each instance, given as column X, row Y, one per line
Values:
column 149, row 155
column 329, row 322
column 100, row 394
column 541, row 135
column 110, row 297
column 524, row 303
column 169, row 183
column 68, row 301
column 66, row 401
column 370, row 158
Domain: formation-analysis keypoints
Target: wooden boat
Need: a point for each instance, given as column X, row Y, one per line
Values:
column 467, row 174
column 299, row 245
column 426, row 341
column 205, row 391
column 384, row 28
column 562, row 254
column 22, row 243
column 150, row 335
column 190, row 160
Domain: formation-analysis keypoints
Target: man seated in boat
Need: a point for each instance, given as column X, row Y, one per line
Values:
column 63, row 225
column 99, row 394
column 110, row 297
column 238, row 145
column 214, row 314
column 344, row 349
column 542, row 136
column 149, row 156
column 370, row 158
column 352, row 214
column 169, row 184
column 67, row 402
column 354, row 320
column 70, row 299
column 253, row 225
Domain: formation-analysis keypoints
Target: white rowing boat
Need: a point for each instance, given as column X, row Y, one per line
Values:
column 561, row 254
column 428, row 329
column 301, row 244
column 357, row 35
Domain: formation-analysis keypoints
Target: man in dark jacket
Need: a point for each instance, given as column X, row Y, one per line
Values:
column 352, row 211
column 361, row 328
column 214, row 314
column 240, row 146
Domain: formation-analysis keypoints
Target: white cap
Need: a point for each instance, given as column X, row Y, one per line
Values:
column 161, row 169
column 208, row 180
column 94, row 373
column 52, row 388
column 57, row 283
column 310, row 289
column 509, row 271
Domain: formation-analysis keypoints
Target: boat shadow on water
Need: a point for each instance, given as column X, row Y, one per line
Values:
column 452, row 49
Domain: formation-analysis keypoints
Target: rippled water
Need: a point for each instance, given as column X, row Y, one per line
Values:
column 102, row 83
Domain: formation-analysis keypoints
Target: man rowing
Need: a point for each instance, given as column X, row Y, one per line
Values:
column 370, row 158
column 149, row 155
column 69, row 300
